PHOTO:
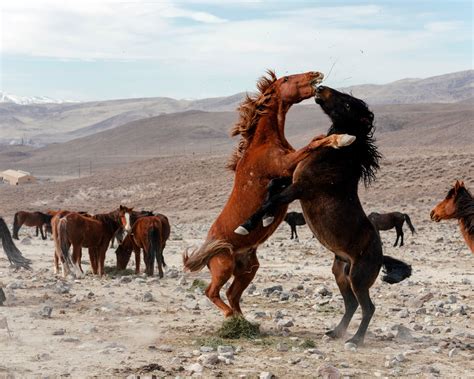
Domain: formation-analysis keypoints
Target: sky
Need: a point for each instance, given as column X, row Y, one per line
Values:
column 108, row 49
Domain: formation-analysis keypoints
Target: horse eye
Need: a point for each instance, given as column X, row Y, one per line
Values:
column 347, row 106
column 285, row 79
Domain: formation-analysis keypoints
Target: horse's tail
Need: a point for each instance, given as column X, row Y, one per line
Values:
column 410, row 225
column 153, row 248
column 13, row 254
column 62, row 244
column 199, row 258
column 16, row 225
column 395, row 270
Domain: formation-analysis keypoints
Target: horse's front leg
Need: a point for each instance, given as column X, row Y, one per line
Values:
column 291, row 160
column 42, row 233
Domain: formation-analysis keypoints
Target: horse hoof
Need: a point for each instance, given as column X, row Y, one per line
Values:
column 354, row 341
column 241, row 230
column 267, row 221
column 345, row 140
column 334, row 334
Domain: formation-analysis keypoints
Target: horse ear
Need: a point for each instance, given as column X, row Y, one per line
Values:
column 457, row 185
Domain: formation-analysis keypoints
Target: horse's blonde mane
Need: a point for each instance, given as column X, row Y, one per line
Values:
column 250, row 110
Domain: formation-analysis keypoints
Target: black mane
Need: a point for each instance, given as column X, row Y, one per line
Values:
column 364, row 152
column 110, row 220
column 465, row 209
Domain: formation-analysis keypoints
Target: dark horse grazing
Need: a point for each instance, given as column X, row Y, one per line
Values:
column 38, row 219
column 263, row 153
column 13, row 254
column 294, row 219
column 149, row 233
column 326, row 184
column 458, row 204
column 93, row 232
column 387, row 221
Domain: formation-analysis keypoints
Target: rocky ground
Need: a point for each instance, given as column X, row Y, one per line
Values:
column 126, row 324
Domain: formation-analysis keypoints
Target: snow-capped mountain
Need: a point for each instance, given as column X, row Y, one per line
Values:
column 25, row 100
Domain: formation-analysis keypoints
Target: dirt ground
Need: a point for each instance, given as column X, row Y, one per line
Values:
column 129, row 325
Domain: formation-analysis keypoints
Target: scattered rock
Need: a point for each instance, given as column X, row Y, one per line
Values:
column 269, row 290
column 326, row 371
column 266, row 375
column 59, row 332
column 46, row 311
column 147, row 297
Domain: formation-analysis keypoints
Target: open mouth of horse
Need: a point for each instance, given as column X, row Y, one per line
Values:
column 318, row 79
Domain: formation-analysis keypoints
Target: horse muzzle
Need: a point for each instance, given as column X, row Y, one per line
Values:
column 434, row 216
column 317, row 79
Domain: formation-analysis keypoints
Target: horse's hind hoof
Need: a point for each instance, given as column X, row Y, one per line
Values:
column 334, row 334
column 267, row 221
column 241, row 230
column 345, row 140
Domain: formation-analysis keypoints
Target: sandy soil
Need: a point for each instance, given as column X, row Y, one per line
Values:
column 423, row 327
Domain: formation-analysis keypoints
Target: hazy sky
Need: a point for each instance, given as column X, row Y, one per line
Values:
column 97, row 49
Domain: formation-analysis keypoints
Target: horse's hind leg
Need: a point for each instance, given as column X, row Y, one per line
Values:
column 401, row 235
column 221, row 267
column 42, row 233
column 341, row 269
column 37, row 232
column 398, row 236
column 288, row 195
column 296, row 234
column 76, row 259
column 362, row 276
column 244, row 272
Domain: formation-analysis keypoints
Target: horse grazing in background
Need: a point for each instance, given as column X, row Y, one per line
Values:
column 149, row 233
column 294, row 219
column 118, row 236
column 458, row 204
column 33, row 219
column 14, row 255
column 387, row 221
column 263, row 153
column 326, row 184
column 93, row 232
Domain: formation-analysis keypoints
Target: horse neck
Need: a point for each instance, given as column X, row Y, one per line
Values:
column 109, row 220
column 271, row 125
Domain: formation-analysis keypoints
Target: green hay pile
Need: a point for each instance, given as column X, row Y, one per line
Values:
column 238, row 327
column 113, row 272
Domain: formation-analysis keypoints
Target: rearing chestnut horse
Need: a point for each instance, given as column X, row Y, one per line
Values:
column 459, row 204
column 263, row 153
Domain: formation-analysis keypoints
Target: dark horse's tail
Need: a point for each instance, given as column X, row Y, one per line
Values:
column 153, row 250
column 410, row 225
column 16, row 226
column 395, row 270
column 13, row 254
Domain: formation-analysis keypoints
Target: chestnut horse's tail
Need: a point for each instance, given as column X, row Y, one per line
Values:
column 13, row 254
column 395, row 270
column 62, row 244
column 199, row 258
column 410, row 225
column 16, row 226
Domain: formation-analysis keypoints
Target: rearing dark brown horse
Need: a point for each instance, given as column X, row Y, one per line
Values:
column 326, row 184
column 263, row 153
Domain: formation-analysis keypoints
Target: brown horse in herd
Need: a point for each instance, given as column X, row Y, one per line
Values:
column 149, row 233
column 92, row 232
column 262, row 154
column 32, row 219
column 458, row 204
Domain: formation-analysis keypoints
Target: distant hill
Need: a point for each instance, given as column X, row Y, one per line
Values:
column 448, row 88
column 200, row 132
column 48, row 123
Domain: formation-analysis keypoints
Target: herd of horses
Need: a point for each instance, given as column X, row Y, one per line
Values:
column 269, row 173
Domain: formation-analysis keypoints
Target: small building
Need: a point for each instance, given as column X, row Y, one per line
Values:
column 17, row 177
